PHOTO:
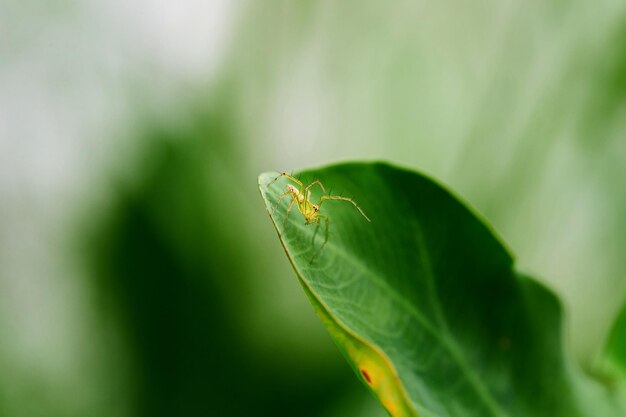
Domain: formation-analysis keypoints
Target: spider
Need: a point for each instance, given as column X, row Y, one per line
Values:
column 301, row 197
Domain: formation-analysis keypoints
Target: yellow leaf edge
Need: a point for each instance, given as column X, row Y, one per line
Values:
column 367, row 360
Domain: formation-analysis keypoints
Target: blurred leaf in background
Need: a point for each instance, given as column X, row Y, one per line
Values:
column 138, row 275
column 172, row 266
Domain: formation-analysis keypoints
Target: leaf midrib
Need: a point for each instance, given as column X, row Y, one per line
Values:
column 444, row 338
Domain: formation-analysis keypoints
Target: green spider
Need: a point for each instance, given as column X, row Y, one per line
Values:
column 301, row 198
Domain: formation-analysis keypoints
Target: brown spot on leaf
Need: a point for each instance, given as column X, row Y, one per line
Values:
column 366, row 376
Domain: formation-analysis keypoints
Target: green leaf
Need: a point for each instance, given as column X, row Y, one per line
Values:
column 424, row 301
column 613, row 363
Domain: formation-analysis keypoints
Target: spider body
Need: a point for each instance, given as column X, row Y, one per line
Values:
column 301, row 198
column 310, row 211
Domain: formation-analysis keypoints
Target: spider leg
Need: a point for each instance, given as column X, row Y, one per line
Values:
column 293, row 200
column 285, row 194
column 326, row 224
column 316, row 182
column 336, row 197
column 284, row 174
column 317, row 228
column 306, row 191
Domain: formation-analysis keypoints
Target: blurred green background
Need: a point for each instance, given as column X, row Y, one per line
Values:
column 139, row 273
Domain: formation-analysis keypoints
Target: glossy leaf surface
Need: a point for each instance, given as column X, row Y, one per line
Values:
column 424, row 301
